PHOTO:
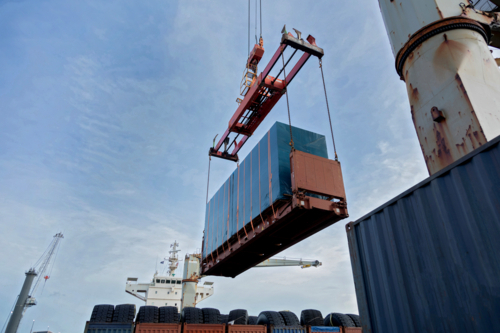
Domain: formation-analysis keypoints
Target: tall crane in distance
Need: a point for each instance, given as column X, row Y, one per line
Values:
column 41, row 270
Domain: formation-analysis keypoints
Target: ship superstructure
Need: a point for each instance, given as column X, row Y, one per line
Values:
column 166, row 290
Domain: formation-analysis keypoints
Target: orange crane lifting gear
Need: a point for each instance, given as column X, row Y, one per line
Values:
column 264, row 91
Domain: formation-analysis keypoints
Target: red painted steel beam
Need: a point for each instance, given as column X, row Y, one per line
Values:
column 264, row 95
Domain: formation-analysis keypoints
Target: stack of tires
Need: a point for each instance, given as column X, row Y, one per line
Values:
column 154, row 314
column 309, row 317
column 107, row 313
column 125, row 313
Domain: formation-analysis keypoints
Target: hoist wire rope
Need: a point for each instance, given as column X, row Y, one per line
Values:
column 256, row 22
column 248, row 27
column 208, row 178
column 328, row 109
column 54, row 261
column 260, row 18
column 286, row 94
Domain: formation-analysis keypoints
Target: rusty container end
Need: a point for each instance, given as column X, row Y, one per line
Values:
column 352, row 330
column 204, row 328
column 427, row 261
column 92, row 327
column 157, row 328
column 246, row 329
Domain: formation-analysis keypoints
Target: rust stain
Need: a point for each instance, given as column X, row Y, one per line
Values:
column 443, row 154
column 440, row 13
column 412, row 111
column 468, row 134
column 414, row 93
column 461, row 147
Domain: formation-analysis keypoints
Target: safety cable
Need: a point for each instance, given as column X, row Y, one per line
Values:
column 260, row 18
column 287, row 103
column 256, row 22
column 248, row 27
column 328, row 108
column 208, row 179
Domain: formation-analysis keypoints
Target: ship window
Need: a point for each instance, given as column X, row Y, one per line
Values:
column 175, row 304
column 168, row 292
column 156, row 292
column 162, row 281
column 176, row 292
column 168, row 281
column 178, row 281
column 166, row 304
column 207, row 294
column 157, row 280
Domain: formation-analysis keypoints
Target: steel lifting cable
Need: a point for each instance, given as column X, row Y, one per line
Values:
column 287, row 103
column 328, row 109
column 260, row 18
column 248, row 27
column 208, row 178
column 256, row 42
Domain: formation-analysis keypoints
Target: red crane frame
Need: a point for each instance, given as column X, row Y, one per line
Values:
column 263, row 95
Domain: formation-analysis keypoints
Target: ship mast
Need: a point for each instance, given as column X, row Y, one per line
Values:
column 173, row 259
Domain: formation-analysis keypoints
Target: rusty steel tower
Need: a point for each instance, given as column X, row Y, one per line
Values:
column 453, row 82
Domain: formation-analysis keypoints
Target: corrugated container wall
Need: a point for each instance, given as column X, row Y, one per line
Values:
column 157, row 328
column 109, row 327
column 246, row 329
column 262, row 178
column 429, row 260
column 288, row 329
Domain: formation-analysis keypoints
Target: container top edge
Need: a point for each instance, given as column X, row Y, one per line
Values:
column 490, row 144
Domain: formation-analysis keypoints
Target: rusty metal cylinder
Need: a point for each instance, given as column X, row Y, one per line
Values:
column 452, row 79
column 453, row 84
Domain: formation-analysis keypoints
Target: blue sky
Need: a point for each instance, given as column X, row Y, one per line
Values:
column 108, row 110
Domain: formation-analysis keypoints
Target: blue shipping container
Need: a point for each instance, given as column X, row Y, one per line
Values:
column 324, row 329
column 428, row 260
column 261, row 179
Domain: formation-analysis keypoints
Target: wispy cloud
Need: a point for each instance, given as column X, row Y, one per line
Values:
column 108, row 110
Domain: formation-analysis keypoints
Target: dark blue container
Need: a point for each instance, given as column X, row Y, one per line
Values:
column 429, row 260
column 287, row 329
column 109, row 328
column 261, row 179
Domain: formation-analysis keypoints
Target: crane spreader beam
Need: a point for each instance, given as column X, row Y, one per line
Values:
column 263, row 96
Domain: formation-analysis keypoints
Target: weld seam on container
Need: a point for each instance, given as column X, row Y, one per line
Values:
column 427, row 260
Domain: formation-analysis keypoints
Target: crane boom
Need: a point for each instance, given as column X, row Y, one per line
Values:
column 274, row 262
column 26, row 298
